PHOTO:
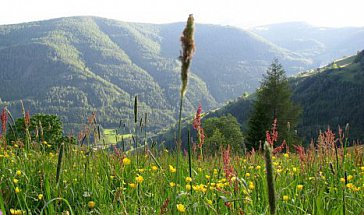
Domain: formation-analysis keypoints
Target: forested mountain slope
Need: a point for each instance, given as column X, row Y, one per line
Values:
column 73, row 66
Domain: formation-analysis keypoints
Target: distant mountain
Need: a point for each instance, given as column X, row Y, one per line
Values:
column 322, row 45
column 330, row 96
column 73, row 66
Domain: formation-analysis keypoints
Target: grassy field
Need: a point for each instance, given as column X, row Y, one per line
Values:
column 315, row 181
column 110, row 137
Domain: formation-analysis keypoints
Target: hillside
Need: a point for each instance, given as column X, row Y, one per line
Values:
column 330, row 96
column 73, row 66
column 322, row 45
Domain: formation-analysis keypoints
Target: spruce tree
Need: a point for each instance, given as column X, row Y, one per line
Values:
column 273, row 101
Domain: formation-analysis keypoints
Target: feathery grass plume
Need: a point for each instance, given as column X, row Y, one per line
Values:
column 26, row 117
column 4, row 119
column 270, row 182
column 188, row 49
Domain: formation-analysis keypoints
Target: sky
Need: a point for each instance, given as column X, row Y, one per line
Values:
column 239, row 13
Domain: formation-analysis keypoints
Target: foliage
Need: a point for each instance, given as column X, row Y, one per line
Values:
column 273, row 102
column 220, row 132
column 42, row 127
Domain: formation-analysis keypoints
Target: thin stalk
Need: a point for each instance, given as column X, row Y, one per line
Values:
column 189, row 157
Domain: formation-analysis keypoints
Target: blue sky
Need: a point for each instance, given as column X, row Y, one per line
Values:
column 241, row 13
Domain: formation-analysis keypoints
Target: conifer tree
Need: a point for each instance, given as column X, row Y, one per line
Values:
column 273, row 101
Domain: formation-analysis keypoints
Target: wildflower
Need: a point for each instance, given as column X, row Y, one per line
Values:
column 350, row 177
column 91, row 204
column 154, row 168
column 132, row 185
column 233, row 178
column 188, row 187
column 17, row 190
column 15, row 181
column 215, row 172
column 286, row 155
column 181, row 208
column 40, row 196
column 300, row 187
column 209, row 202
column 139, row 179
column 294, row 169
column 350, row 185
column 188, row 179
column 18, row 173
column 126, row 161
column 258, row 167
column 251, row 186
column 362, row 168
column 285, row 198
column 172, row 169
column 207, row 177
column 172, row 184
column 140, row 170
column 247, row 174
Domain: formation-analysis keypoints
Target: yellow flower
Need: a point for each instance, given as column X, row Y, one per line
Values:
column 181, row 208
column 362, row 168
column 40, row 196
column 285, row 198
column 209, row 202
column 342, row 179
column 188, row 187
column 172, row 169
column 294, row 169
column 12, row 211
column 233, row 178
column 126, row 161
column 44, row 142
column 207, row 177
column 188, row 179
column 286, row 155
column 91, row 204
column 258, row 167
column 350, row 177
column 15, row 181
column 18, row 173
column 154, row 168
column 132, row 185
column 247, row 174
column 140, row 170
column 251, row 186
column 215, row 172
column 300, row 187
column 350, row 185
column 172, row 184
column 139, row 179
column 17, row 190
